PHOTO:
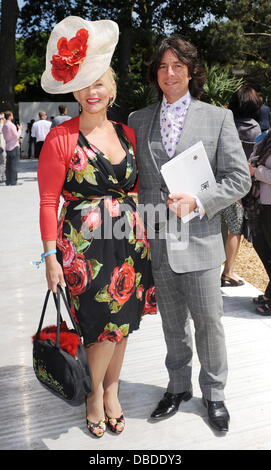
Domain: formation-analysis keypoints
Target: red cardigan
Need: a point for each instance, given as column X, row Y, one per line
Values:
column 53, row 165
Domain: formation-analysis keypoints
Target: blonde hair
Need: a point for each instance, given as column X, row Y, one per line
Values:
column 109, row 78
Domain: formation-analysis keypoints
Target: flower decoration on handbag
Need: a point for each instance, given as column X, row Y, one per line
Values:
column 70, row 55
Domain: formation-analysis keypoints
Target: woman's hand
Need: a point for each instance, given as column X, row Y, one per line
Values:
column 54, row 273
column 181, row 203
column 252, row 169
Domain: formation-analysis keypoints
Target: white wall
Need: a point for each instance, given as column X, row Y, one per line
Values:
column 30, row 110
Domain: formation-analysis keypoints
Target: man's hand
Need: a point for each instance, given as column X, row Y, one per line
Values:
column 181, row 204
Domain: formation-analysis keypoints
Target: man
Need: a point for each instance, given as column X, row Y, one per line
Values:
column 31, row 140
column 187, row 275
column 39, row 131
column 264, row 117
column 63, row 116
column 11, row 135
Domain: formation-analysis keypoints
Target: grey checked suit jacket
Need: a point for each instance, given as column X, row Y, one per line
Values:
column 200, row 244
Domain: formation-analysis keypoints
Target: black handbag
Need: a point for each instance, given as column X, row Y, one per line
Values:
column 59, row 358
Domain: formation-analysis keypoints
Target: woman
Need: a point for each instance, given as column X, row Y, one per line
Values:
column 245, row 105
column 90, row 162
column 261, row 231
column 2, row 150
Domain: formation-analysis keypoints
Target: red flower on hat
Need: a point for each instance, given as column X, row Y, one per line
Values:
column 70, row 55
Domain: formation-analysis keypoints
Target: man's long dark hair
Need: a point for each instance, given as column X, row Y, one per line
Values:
column 187, row 54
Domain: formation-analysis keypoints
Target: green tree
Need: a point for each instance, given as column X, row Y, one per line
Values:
column 140, row 22
column 241, row 42
column 243, row 36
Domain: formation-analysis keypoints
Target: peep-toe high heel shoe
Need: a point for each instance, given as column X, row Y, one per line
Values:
column 115, row 425
column 97, row 428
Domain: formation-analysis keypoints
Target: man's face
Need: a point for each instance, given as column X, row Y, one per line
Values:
column 173, row 77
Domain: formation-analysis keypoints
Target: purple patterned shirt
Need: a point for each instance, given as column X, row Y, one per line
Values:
column 172, row 117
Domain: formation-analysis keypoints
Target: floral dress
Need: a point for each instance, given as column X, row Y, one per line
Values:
column 102, row 246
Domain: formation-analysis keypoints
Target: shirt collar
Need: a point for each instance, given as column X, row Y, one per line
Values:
column 178, row 106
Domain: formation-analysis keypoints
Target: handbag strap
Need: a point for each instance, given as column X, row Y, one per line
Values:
column 42, row 314
column 59, row 317
column 60, row 291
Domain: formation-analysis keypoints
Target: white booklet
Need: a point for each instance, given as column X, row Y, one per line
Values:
column 189, row 172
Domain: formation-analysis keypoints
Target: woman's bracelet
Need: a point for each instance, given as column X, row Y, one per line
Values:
column 50, row 252
column 42, row 257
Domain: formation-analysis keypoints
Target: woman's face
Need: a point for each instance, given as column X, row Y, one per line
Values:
column 94, row 98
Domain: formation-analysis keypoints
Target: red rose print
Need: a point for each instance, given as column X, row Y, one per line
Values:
column 93, row 219
column 139, row 292
column 150, row 301
column 90, row 153
column 139, row 230
column 73, row 313
column 114, row 336
column 112, row 206
column 138, row 226
column 145, row 240
column 69, row 197
column 78, row 276
column 79, row 160
column 68, row 252
column 70, row 55
column 59, row 233
column 122, row 284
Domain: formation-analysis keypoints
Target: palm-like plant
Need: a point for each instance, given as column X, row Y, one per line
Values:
column 220, row 85
column 130, row 97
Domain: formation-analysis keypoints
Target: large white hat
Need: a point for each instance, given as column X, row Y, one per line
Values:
column 78, row 53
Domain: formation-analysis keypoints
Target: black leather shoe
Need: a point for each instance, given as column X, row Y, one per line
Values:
column 169, row 404
column 218, row 414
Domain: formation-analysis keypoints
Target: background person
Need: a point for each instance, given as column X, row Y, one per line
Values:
column 90, row 161
column 11, row 135
column 39, row 131
column 245, row 105
column 2, row 150
column 62, row 117
column 261, row 206
column 264, row 117
column 31, row 140
column 187, row 281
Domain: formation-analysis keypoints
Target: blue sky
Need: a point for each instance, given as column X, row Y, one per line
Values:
column 20, row 3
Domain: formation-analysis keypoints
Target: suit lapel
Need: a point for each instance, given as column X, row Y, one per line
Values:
column 189, row 124
column 155, row 144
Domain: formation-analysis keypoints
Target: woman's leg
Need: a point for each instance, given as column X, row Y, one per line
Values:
column 231, row 250
column 262, row 244
column 99, row 357
column 111, row 380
